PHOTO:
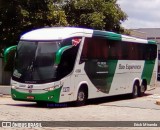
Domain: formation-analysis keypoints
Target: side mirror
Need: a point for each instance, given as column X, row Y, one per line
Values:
column 8, row 51
column 9, row 55
column 59, row 53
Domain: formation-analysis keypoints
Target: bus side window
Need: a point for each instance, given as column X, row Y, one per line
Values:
column 114, row 51
column 84, row 54
column 150, row 52
column 94, row 49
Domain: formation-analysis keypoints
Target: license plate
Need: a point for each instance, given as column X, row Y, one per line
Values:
column 30, row 97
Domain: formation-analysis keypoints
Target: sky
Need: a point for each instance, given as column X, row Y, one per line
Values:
column 141, row 13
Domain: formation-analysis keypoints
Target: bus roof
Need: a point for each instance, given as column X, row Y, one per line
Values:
column 56, row 33
column 59, row 33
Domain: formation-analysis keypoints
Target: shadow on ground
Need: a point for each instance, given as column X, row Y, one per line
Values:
column 72, row 104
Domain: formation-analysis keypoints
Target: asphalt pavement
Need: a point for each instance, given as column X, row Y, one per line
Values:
column 116, row 108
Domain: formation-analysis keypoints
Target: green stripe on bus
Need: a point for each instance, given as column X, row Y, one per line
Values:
column 148, row 70
column 51, row 96
column 112, row 65
column 102, row 81
column 151, row 42
column 108, row 35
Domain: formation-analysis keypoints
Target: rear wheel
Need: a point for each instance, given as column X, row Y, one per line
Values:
column 135, row 90
column 141, row 90
column 81, row 97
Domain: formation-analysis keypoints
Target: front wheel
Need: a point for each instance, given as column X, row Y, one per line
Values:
column 81, row 97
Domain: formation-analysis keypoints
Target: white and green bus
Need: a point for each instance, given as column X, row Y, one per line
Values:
column 64, row 64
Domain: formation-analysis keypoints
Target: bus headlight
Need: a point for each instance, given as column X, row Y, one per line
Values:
column 13, row 87
column 52, row 88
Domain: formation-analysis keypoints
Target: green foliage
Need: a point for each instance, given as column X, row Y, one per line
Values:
column 40, row 13
column 97, row 14
column 20, row 16
column 9, row 21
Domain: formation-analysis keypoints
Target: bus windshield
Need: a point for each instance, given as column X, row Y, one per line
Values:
column 35, row 61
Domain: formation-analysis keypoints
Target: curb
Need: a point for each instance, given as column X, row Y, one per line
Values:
column 5, row 95
column 5, row 90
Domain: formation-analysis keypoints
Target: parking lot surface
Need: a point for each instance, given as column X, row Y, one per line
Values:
column 117, row 108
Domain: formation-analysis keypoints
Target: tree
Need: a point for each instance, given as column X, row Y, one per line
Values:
column 9, row 23
column 20, row 16
column 96, row 14
column 40, row 13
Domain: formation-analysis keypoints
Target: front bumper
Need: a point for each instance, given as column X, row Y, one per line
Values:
column 49, row 96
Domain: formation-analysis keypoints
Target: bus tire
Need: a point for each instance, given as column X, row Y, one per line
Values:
column 135, row 90
column 81, row 97
column 141, row 90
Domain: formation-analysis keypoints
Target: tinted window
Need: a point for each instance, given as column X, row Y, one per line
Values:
column 99, row 48
column 95, row 48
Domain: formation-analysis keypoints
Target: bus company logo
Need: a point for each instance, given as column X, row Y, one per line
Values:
column 30, row 86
